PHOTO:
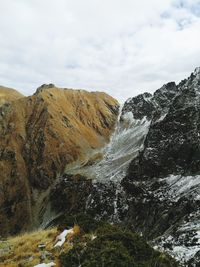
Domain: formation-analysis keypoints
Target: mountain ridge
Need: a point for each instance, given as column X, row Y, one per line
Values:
column 40, row 136
column 167, row 148
column 146, row 177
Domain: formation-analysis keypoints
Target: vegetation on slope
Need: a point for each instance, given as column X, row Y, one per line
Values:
column 113, row 246
column 23, row 250
column 97, row 244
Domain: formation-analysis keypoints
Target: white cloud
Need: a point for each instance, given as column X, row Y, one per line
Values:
column 123, row 47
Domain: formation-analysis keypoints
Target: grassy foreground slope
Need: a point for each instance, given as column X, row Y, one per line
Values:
column 93, row 244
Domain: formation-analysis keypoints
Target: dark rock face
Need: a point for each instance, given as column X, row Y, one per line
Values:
column 159, row 196
column 75, row 194
column 172, row 144
column 167, row 170
column 70, row 194
column 151, row 106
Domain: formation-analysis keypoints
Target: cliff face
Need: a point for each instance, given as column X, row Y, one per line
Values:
column 149, row 177
column 166, row 174
column 41, row 136
column 162, row 183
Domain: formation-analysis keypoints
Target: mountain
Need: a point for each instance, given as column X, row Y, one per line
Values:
column 148, row 177
column 41, row 137
column 68, row 153
column 167, row 171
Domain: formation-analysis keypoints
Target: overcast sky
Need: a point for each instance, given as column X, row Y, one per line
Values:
column 123, row 47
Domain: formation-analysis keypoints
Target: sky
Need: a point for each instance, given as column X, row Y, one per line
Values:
column 122, row 47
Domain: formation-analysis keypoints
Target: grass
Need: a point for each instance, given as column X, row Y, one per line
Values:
column 113, row 246
column 25, row 252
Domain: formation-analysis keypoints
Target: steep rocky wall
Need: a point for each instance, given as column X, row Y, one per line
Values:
column 166, row 174
column 159, row 195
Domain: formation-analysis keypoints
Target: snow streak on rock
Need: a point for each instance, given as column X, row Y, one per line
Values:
column 125, row 144
column 177, row 186
column 184, row 243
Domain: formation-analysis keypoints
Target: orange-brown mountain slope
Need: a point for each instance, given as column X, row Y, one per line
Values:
column 8, row 95
column 41, row 136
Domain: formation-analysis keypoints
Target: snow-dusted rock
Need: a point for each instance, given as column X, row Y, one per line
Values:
column 166, row 174
column 149, row 175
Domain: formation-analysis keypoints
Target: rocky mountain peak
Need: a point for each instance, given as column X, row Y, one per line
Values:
column 197, row 72
column 44, row 87
column 155, row 106
column 192, row 82
column 152, row 106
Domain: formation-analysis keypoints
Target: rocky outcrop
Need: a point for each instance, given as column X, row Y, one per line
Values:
column 167, row 174
column 41, row 137
column 151, row 106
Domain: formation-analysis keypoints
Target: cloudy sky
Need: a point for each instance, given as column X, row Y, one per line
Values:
column 123, row 47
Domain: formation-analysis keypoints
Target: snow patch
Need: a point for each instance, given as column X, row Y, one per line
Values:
column 185, row 243
column 179, row 251
column 61, row 238
column 45, row 264
column 147, row 98
column 177, row 186
column 93, row 237
column 128, row 116
column 162, row 117
column 183, row 253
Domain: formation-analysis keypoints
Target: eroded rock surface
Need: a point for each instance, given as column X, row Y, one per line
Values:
column 167, row 169
column 157, row 193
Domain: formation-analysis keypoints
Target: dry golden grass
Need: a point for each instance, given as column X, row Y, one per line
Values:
column 25, row 252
